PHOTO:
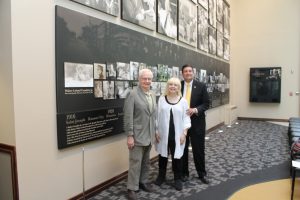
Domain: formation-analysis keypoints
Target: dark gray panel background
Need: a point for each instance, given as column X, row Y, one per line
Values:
column 84, row 39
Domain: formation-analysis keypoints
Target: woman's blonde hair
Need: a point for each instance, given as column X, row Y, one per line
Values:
column 175, row 81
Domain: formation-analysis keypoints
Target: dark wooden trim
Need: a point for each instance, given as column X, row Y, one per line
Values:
column 102, row 186
column 11, row 150
column 263, row 119
column 215, row 127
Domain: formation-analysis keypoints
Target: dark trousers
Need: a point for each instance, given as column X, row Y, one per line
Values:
column 176, row 163
column 198, row 144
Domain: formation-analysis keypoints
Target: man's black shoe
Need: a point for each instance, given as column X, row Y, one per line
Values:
column 146, row 187
column 159, row 181
column 204, row 180
column 178, row 184
column 184, row 178
column 132, row 195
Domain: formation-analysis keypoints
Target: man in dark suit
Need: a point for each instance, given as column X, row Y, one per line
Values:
column 197, row 96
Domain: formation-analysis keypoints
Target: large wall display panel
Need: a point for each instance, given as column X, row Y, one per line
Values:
column 97, row 65
column 108, row 6
column 140, row 12
column 167, row 17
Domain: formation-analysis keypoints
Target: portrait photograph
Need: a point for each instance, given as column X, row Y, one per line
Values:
column 134, row 70
column 203, row 77
column 220, row 50
column 202, row 29
column 78, row 75
column 108, row 90
column 167, row 17
column 108, row 6
column 123, row 71
column 154, row 72
column 99, row 71
column 122, row 89
column 111, row 71
column 212, row 40
column 140, row 12
column 187, row 28
column 212, row 13
column 203, row 3
column 98, row 89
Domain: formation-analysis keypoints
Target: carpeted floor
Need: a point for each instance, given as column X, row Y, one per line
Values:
column 245, row 154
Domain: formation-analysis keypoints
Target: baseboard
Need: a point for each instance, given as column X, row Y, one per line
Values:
column 215, row 127
column 263, row 119
column 11, row 150
column 98, row 188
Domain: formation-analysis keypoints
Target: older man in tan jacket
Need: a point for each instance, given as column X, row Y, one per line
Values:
column 139, row 121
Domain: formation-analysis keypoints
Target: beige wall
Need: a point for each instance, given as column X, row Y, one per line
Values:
column 44, row 172
column 7, row 135
column 265, row 33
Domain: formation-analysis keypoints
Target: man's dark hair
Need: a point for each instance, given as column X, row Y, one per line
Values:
column 184, row 66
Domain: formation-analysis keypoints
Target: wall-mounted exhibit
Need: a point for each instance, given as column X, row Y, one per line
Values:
column 265, row 85
column 97, row 65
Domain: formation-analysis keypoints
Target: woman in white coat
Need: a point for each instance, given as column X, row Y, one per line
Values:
column 172, row 126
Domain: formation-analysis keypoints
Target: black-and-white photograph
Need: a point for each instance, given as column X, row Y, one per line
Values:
column 122, row 89
column 134, row 70
column 142, row 66
column 220, row 50
column 155, row 87
column 220, row 10
column 134, row 84
column 203, row 3
column 203, row 77
column 123, row 71
column 212, row 13
column 99, row 71
column 202, row 29
column 226, row 21
column 163, row 86
column 162, row 72
column 98, row 92
column 170, row 72
column 226, row 49
column 111, row 72
column 175, row 72
column 212, row 40
column 219, row 27
column 141, row 12
column 167, row 17
column 108, row 90
column 78, row 75
column 187, row 28
column 108, row 6
column 154, row 72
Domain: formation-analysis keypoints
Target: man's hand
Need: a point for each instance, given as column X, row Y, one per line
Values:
column 191, row 111
column 130, row 142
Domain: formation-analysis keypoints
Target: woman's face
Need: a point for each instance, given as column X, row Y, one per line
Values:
column 173, row 88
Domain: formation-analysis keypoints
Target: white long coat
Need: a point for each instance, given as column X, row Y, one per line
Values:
column 181, row 122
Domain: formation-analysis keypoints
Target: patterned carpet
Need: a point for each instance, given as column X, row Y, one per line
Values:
column 246, row 153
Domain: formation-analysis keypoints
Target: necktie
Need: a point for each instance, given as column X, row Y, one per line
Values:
column 149, row 99
column 188, row 93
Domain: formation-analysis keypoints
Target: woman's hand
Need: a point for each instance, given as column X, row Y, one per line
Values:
column 182, row 138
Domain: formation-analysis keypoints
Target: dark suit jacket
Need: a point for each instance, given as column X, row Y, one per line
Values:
column 199, row 100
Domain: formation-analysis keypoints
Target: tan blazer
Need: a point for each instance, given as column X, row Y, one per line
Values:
column 139, row 121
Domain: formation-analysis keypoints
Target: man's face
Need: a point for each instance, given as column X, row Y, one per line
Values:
column 146, row 80
column 188, row 74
